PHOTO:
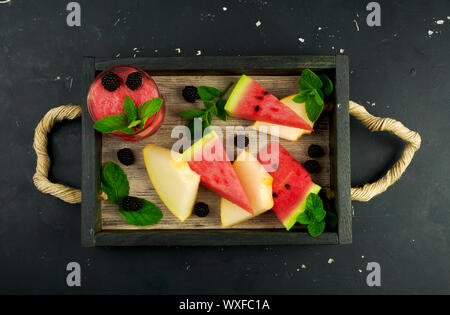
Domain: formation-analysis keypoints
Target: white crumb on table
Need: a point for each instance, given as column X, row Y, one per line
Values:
column 332, row 47
column 319, row 28
column 357, row 26
column 178, row 50
column 430, row 32
column 118, row 55
column 341, row 50
column 225, row 8
column 258, row 23
column 359, row 270
column 331, row 260
column 362, row 256
column 117, row 21
column 301, row 40
column 440, row 22
column 303, row 266
column 199, row 52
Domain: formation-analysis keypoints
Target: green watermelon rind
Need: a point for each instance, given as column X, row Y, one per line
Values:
column 300, row 207
column 188, row 155
column 237, row 94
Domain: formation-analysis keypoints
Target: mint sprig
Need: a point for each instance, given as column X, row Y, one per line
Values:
column 214, row 104
column 313, row 91
column 314, row 216
column 116, row 186
column 132, row 117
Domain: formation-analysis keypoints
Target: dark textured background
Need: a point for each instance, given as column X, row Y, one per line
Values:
column 396, row 66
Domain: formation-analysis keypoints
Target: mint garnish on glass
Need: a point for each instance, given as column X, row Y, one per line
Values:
column 313, row 91
column 131, row 119
column 116, row 186
column 314, row 216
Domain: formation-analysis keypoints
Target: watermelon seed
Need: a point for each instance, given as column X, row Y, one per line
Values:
column 265, row 92
column 256, row 108
column 274, row 195
column 275, row 167
column 260, row 97
column 287, row 186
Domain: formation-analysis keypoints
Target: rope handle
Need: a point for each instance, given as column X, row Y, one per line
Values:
column 370, row 190
column 40, row 178
column 365, row 193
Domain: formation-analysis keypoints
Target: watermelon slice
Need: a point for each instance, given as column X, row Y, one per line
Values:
column 291, row 183
column 208, row 158
column 250, row 100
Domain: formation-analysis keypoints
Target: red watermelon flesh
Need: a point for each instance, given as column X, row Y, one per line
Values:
column 291, row 183
column 208, row 158
column 251, row 101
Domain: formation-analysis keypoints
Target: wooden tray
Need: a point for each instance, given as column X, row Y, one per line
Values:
column 103, row 225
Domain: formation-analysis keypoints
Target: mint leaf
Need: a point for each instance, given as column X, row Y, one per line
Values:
column 311, row 79
column 305, row 85
column 313, row 110
column 317, row 97
column 221, row 113
column 114, row 182
column 331, row 219
column 207, row 119
column 211, row 107
column 207, row 93
column 301, row 97
column 112, row 123
column 304, row 218
column 313, row 201
column 134, row 123
column 316, row 228
column 149, row 214
column 327, row 84
column 322, row 96
column 193, row 113
column 129, row 108
column 148, row 109
column 319, row 214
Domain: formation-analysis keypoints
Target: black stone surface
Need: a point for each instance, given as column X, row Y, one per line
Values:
column 397, row 67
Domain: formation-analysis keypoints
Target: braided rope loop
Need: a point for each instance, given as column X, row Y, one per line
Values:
column 40, row 178
column 368, row 191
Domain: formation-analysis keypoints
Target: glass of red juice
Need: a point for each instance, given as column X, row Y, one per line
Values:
column 102, row 102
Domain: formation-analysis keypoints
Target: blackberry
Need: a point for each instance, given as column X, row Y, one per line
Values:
column 134, row 81
column 315, row 151
column 201, row 209
column 125, row 156
column 111, row 81
column 312, row 166
column 237, row 140
column 131, row 203
column 190, row 94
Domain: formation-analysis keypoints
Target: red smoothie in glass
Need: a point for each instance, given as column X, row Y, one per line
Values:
column 102, row 102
